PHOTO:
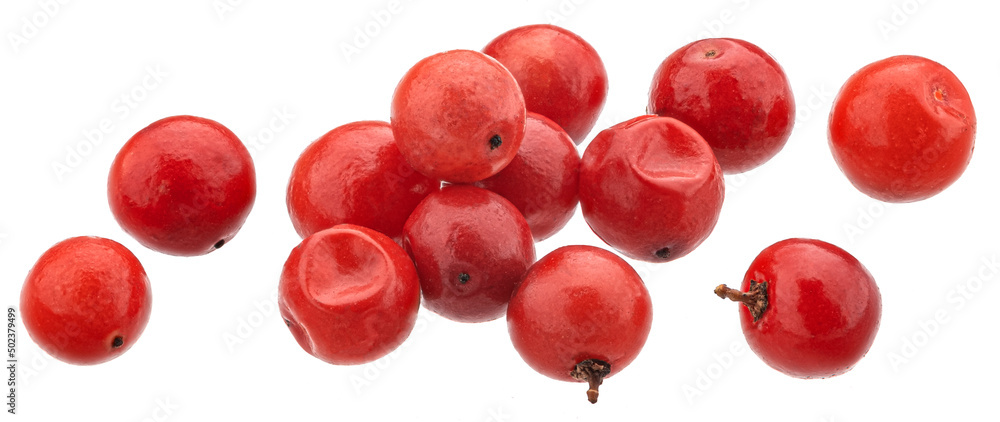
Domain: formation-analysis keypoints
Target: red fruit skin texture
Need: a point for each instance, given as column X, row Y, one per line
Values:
column 355, row 175
column 561, row 76
column 182, row 186
column 467, row 230
column 82, row 294
column 579, row 303
column 651, row 188
column 542, row 179
column 823, row 309
column 732, row 93
column 902, row 129
column 349, row 295
column 447, row 110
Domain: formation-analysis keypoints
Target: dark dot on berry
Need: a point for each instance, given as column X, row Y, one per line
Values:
column 495, row 142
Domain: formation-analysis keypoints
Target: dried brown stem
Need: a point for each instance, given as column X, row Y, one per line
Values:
column 593, row 372
column 755, row 299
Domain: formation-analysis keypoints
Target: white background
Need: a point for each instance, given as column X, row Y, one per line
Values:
column 215, row 348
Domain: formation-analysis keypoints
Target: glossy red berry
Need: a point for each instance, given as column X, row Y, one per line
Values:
column 580, row 314
column 349, row 295
column 355, row 175
column 86, row 300
column 542, row 179
column 651, row 188
column 902, row 129
column 812, row 310
column 183, row 186
column 458, row 116
column 471, row 247
column 732, row 93
column 560, row 74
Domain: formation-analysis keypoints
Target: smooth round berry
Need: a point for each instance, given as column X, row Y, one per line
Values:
column 812, row 310
column 580, row 314
column 541, row 181
column 355, row 175
column 471, row 248
column 902, row 129
column 183, row 186
column 349, row 295
column 732, row 93
column 651, row 188
column 86, row 300
column 561, row 75
column 458, row 116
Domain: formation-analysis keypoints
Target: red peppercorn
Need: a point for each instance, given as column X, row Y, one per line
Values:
column 812, row 310
column 349, row 295
column 580, row 314
column 561, row 76
column 651, row 188
column 183, row 186
column 902, row 129
column 355, row 175
column 458, row 116
column 732, row 93
column 86, row 300
column 471, row 248
column 542, row 180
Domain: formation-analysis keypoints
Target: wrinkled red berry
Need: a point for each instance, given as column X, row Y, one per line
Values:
column 458, row 116
column 812, row 309
column 355, row 174
column 183, row 186
column 86, row 300
column 902, row 129
column 471, row 248
column 542, row 179
column 560, row 75
column 580, row 314
column 349, row 295
column 651, row 188
column 732, row 93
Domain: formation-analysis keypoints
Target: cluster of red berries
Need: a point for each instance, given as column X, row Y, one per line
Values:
column 442, row 206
